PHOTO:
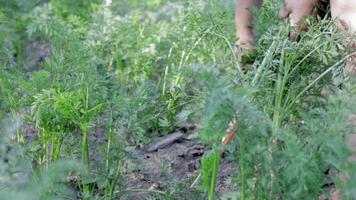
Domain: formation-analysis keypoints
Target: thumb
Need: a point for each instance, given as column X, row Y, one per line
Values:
column 284, row 12
column 299, row 14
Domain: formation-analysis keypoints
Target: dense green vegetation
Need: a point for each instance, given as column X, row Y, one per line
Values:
column 133, row 68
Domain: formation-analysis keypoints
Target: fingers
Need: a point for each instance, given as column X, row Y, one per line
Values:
column 284, row 12
column 297, row 23
column 296, row 11
column 297, row 16
column 246, row 41
column 243, row 48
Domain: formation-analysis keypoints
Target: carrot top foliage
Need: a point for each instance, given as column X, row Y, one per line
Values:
column 134, row 69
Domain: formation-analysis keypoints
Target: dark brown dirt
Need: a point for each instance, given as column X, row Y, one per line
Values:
column 178, row 162
column 36, row 52
column 29, row 131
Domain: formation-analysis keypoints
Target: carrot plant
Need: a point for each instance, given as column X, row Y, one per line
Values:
column 45, row 182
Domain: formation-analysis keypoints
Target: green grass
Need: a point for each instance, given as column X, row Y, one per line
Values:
column 136, row 67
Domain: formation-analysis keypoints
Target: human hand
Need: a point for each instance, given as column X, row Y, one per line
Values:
column 296, row 11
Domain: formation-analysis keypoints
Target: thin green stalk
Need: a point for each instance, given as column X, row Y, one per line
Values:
column 84, row 127
column 282, row 78
column 237, row 63
column 242, row 172
column 114, row 181
column 52, row 149
column 85, row 145
column 214, row 176
column 43, row 153
column 108, row 147
column 196, row 44
column 166, row 73
column 265, row 61
column 305, row 57
column 45, row 148
column 291, row 104
column 58, row 147
column 85, row 153
column 165, row 80
column 185, row 56
column 40, row 153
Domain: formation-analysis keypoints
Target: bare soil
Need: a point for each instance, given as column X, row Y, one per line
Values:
column 178, row 162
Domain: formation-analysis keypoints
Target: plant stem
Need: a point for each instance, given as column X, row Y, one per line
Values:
column 214, row 175
column 85, row 145
column 236, row 60
column 291, row 104
column 282, row 78
column 58, row 147
column 108, row 147
column 267, row 59
column 85, row 154
column 84, row 127
column 53, row 140
column 45, row 147
column 242, row 171
column 114, row 181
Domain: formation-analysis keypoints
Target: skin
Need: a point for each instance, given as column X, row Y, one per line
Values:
column 243, row 18
column 344, row 11
column 296, row 11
